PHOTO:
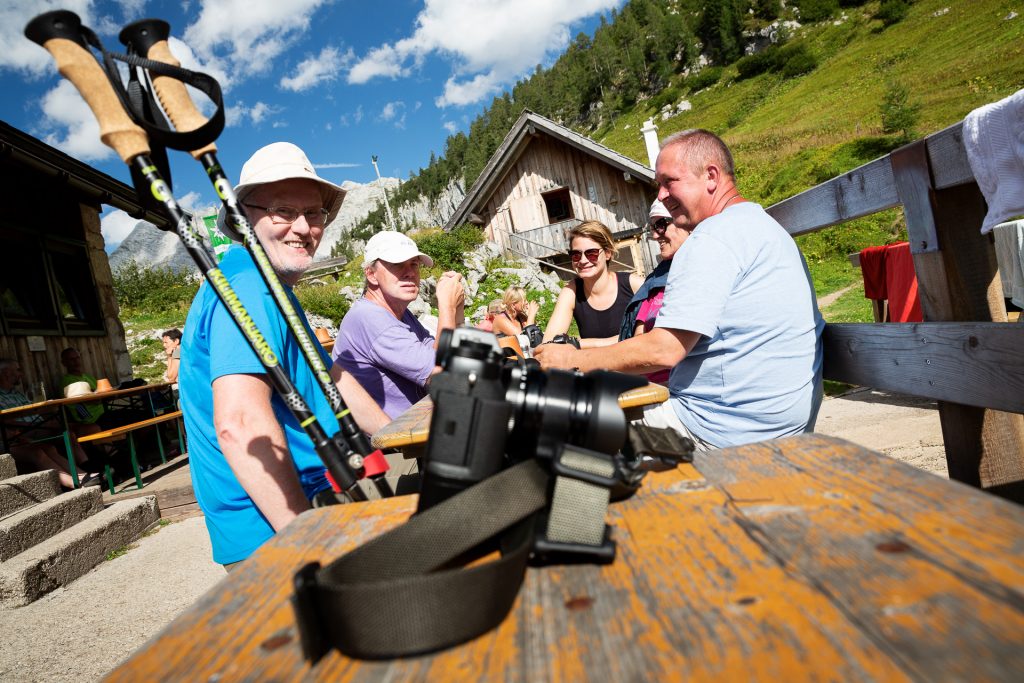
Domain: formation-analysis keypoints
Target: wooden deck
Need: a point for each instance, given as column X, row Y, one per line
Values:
column 170, row 482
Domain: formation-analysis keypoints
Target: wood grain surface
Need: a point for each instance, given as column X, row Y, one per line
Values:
column 807, row 558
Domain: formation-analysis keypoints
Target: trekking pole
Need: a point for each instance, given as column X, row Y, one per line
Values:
column 62, row 35
column 148, row 38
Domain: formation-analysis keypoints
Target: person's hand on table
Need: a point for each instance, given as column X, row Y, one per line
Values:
column 562, row 356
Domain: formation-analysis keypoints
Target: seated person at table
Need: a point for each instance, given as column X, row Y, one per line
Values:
column 172, row 347
column 254, row 468
column 89, row 418
column 380, row 342
column 642, row 310
column 516, row 312
column 493, row 309
column 596, row 298
column 41, row 455
column 739, row 326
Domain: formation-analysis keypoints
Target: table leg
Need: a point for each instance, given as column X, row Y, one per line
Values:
column 135, row 462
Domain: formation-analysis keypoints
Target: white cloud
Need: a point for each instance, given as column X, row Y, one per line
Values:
column 115, row 226
column 490, row 42
column 131, row 9
column 238, row 114
column 315, row 70
column 394, row 111
column 337, row 164
column 357, row 116
column 189, row 60
column 70, row 125
column 249, row 34
column 21, row 54
column 451, row 127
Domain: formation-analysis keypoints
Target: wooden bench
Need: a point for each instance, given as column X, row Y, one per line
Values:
column 965, row 354
column 129, row 431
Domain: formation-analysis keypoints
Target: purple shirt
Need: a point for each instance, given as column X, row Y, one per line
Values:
column 392, row 359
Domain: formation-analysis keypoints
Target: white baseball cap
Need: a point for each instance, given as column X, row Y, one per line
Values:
column 658, row 210
column 276, row 162
column 393, row 247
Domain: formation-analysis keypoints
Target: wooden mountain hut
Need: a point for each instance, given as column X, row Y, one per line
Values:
column 544, row 179
column 56, row 288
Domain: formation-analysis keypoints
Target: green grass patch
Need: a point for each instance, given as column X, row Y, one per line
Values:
column 836, row 388
column 118, row 552
column 851, row 307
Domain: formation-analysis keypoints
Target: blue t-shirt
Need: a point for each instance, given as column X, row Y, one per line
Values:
column 741, row 282
column 212, row 346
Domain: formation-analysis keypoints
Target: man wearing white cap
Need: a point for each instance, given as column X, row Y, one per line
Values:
column 380, row 342
column 253, row 467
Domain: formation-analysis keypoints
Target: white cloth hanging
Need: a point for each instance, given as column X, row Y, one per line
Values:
column 994, row 140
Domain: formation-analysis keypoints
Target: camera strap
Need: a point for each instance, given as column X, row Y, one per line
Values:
column 397, row 595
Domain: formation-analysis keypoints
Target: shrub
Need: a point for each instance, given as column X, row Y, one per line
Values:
column 705, row 78
column 899, row 113
column 666, row 96
column 767, row 9
column 756, row 64
column 322, row 300
column 800, row 63
column 154, row 289
column 817, row 10
column 448, row 248
column 892, row 11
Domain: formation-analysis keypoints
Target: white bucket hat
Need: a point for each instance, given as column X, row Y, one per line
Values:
column 276, row 162
column 393, row 247
column 77, row 389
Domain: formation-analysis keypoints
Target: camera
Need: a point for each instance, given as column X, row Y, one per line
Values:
column 489, row 414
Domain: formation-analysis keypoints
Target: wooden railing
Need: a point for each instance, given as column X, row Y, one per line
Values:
column 544, row 241
column 965, row 355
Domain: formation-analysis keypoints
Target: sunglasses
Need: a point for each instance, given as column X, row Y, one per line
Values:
column 660, row 224
column 591, row 254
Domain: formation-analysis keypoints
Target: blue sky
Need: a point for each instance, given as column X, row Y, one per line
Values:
column 344, row 79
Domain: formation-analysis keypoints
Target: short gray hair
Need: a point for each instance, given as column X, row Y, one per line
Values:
column 701, row 148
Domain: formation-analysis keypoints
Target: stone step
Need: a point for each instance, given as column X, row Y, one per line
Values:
column 74, row 551
column 26, row 490
column 7, row 467
column 35, row 524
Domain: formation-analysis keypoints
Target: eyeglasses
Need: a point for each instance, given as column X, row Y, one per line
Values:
column 286, row 215
column 591, row 254
column 659, row 225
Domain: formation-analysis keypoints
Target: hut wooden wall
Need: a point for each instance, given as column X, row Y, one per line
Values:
column 597, row 191
column 102, row 355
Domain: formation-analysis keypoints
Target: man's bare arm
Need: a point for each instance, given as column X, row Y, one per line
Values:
column 365, row 410
column 659, row 349
column 254, row 446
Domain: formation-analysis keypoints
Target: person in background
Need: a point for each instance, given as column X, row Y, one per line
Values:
column 516, row 312
column 43, row 456
column 494, row 309
column 597, row 297
column 254, row 468
column 172, row 347
column 642, row 310
column 739, row 326
column 380, row 342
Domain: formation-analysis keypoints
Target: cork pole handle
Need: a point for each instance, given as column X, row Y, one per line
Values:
column 58, row 33
column 149, row 38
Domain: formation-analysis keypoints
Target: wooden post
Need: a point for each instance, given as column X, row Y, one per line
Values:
column 957, row 281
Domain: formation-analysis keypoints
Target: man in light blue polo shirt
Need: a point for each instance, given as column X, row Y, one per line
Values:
column 739, row 327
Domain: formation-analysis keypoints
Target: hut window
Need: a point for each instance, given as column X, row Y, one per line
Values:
column 558, row 205
column 46, row 286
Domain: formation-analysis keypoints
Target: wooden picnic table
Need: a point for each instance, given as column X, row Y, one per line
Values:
column 411, row 428
column 799, row 559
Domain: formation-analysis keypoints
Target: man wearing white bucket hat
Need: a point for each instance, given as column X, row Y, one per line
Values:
column 253, row 467
column 380, row 341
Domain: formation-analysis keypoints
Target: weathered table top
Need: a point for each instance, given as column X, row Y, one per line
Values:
column 806, row 558
column 412, row 427
column 53, row 403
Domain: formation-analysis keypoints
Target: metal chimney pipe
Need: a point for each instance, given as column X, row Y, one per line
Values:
column 650, row 132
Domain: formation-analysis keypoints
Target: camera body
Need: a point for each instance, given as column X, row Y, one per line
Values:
column 489, row 414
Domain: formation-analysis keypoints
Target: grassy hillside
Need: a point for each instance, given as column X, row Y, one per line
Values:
column 791, row 134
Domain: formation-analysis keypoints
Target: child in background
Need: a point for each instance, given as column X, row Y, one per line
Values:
column 494, row 308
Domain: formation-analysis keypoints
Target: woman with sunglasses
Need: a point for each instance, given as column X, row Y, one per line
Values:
column 597, row 297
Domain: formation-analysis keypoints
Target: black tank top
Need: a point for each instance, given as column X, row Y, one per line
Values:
column 606, row 323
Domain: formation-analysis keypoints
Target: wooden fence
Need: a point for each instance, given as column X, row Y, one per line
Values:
column 965, row 355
